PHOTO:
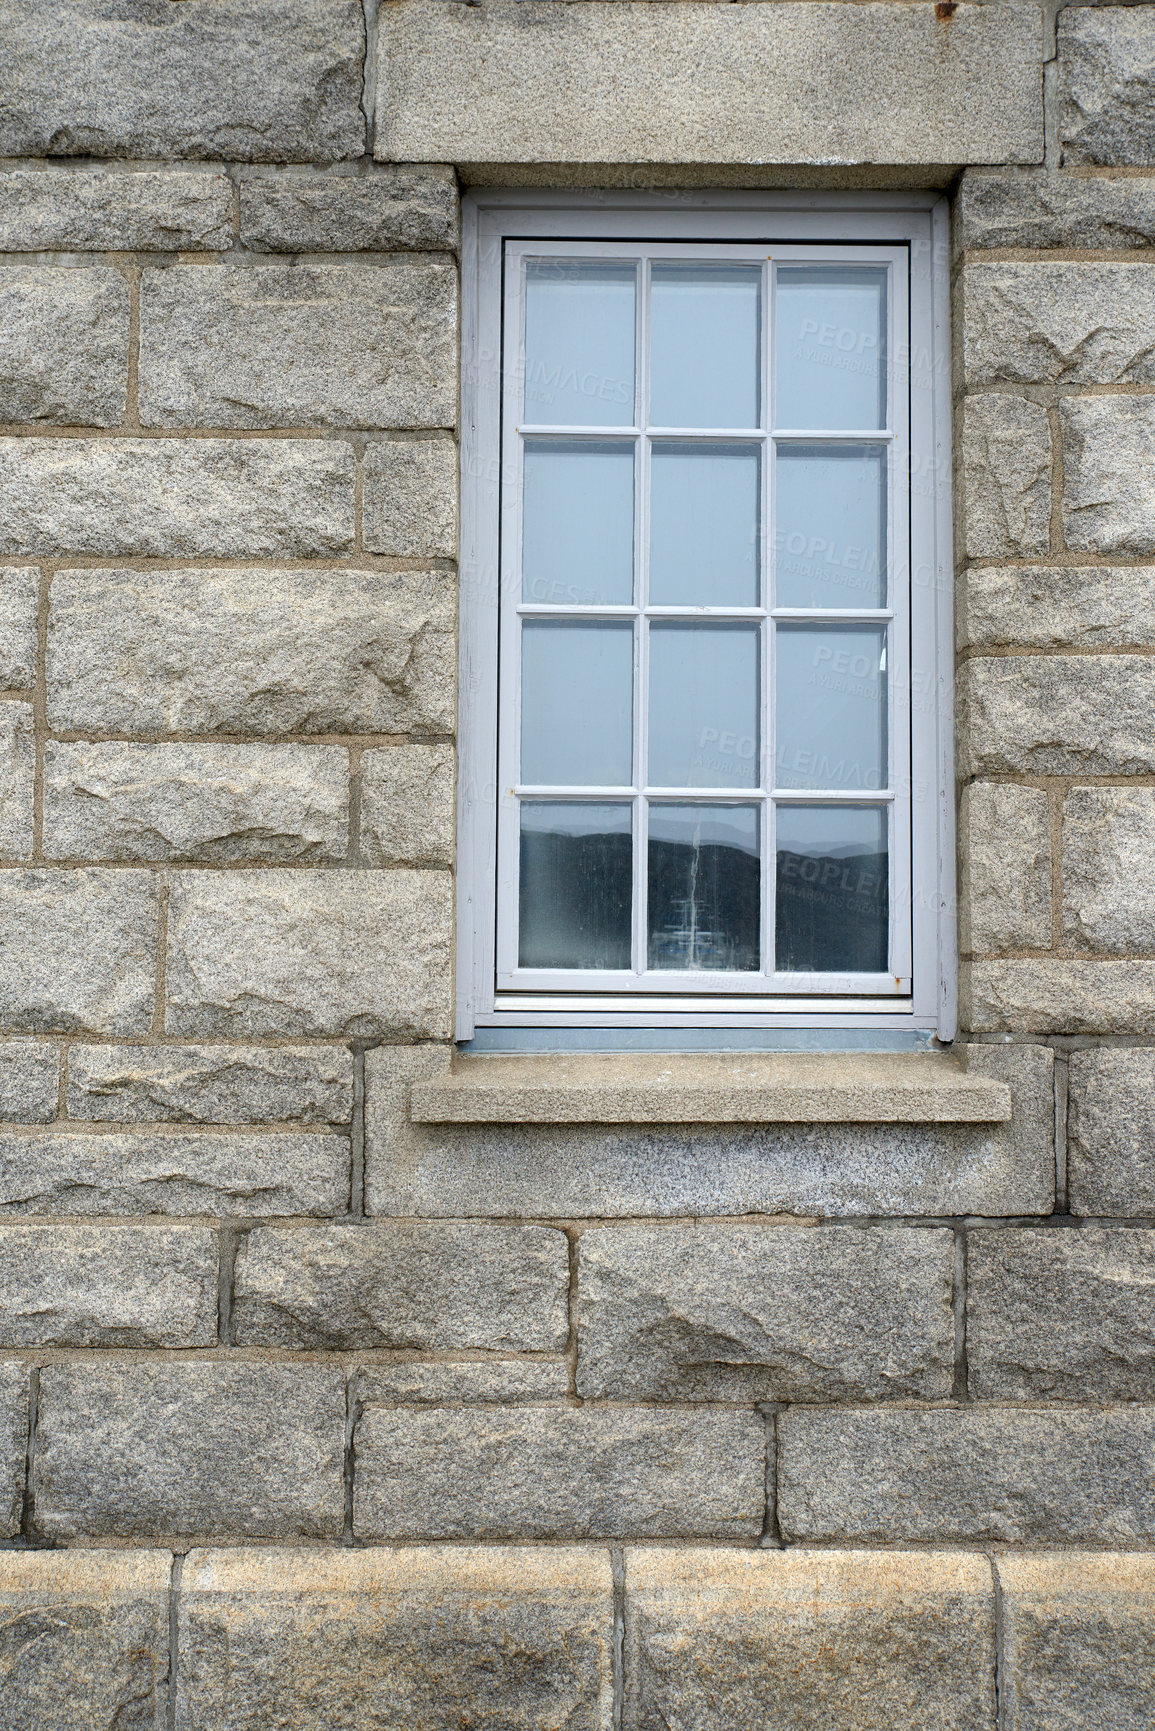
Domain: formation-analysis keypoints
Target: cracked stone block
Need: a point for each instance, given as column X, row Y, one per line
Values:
column 63, row 345
column 1006, row 458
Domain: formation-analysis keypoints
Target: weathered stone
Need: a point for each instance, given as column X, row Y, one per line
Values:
column 80, row 1172
column 226, row 803
column 971, row 1474
column 1039, row 208
column 261, row 652
column 851, row 1641
column 290, row 952
column 300, row 346
column 1061, row 1315
column 152, row 1449
column 1062, row 323
column 210, row 1084
column 1111, row 1131
column 29, row 1081
column 502, row 1288
column 500, row 1639
column 155, row 210
column 407, row 805
column 607, row 1171
column 748, row 1313
column 63, row 346
column 1006, row 454
column 1078, row 1641
column 14, row 1396
column 229, row 498
column 79, row 951
column 400, row 207
column 88, row 1640
column 501, row 1382
column 1108, row 451
column 237, row 79
column 1057, row 715
column 549, row 1472
column 1107, row 105
column 19, row 600
column 1057, row 607
column 1058, row 997
column 107, row 1285
column 1005, row 854
column 410, row 500
column 1108, row 896
column 688, row 86
column 17, row 780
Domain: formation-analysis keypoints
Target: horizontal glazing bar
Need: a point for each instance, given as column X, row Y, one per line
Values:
column 793, row 615
column 561, row 431
column 831, row 796
column 833, row 435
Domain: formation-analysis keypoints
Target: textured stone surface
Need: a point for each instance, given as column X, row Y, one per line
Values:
column 1065, row 323
column 780, row 1313
column 1108, row 895
column 1039, row 208
column 407, row 805
column 1055, row 607
column 229, row 498
column 1006, row 456
column 78, row 951
column 1107, row 105
column 656, row 86
column 285, row 952
column 29, row 1081
column 14, row 1382
column 63, row 345
column 1057, row 715
column 489, row 1381
column 88, row 1640
column 238, row 79
column 241, row 651
column 545, row 1472
column 304, row 346
column 1061, row 1315
column 225, row 803
column 409, row 1287
column 1041, row 996
column 210, row 1084
column 980, row 1476
column 1005, row 855
column 155, row 1449
column 1078, row 1642
column 1108, row 450
column 151, row 210
column 19, row 598
column 395, row 208
column 107, row 1285
column 410, row 498
column 851, row 1641
column 137, row 1172
column 428, row 1638
column 17, row 780
column 1111, row 1128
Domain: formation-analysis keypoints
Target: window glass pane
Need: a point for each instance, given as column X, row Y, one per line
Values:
column 704, row 525
column 832, row 890
column 578, row 522
column 576, row 871
column 830, row 706
column 579, row 345
column 576, row 704
column 703, row 887
column 704, row 326
column 830, row 349
column 830, row 526
column 703, row 706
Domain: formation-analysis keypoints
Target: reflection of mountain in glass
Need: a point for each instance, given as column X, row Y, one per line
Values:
column 575, row 899
column 703, row 907
column 832, row 912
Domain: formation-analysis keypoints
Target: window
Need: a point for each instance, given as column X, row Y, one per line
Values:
column 705, row 605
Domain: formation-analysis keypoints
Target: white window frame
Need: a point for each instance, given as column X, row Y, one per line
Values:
column 907, row 232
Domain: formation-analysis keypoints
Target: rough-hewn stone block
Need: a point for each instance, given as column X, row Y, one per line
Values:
column 257, row 652
column 226, row 803
column 1039, row 208
column 1078, row 1641
column 1106, row 91
column 407, row 805
column 14, row 1394
column 228, row 498
column 1041, row 996
column 88, row 1640
column 396, row 208
column 210, row 1084
column 1108, row 895
column 1108, row 451
column 427, row 1638
column 17, row 780
column 970, row 1474
column 1058, row 324
column 29, row 1081
column 501, row 1288
column 156, row 1449
column 155, row 210
column 79, row 951
column 549, row 1472
column 851, row 1641
column 749, row 1313
column 1111, row 1149
column 502, row 1382
column 300, row 346
column 238, row 79
column 1005, row 855
column 1056, row 607
column 107, row 1285
column 289, row 952
column 1062, row 1315
column 1057, row 715
column 410, row 501
column 63, row 346
column 1006, row 454
column 19, row 599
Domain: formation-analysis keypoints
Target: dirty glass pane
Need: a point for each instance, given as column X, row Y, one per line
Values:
column 575, row 878
column 579, row 344
column 830, row 526
column 830, row 347
column 704, row 503
column 704, row 345
column 704, row 888
column 703, row 706
column 577, row 543
column 577, row 703
column 832, row 890
column 830, row 706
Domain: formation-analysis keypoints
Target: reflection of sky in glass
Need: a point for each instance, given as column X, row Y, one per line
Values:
column 578, row 522
column 716, row 825
column 703, row 706
column 576, row 704
column 704, row 526
column 574, row 817
column 830, row 347
column 830, row 706
column 704, row 327
column 832, row 831
column 579, row 345
column 830, row 520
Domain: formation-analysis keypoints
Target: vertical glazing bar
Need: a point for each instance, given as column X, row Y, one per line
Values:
column 641, row 629
column 767, row 601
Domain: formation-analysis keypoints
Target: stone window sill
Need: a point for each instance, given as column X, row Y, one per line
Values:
column 759, row 1088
